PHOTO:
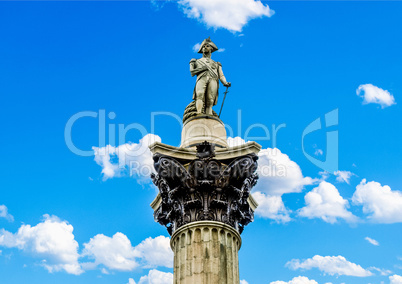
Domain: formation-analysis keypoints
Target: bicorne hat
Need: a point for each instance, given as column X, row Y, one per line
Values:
column 209, row 41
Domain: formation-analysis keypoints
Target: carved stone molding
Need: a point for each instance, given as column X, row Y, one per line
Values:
column 204, row 189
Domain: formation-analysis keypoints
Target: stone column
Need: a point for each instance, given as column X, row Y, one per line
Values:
column 205, row 203
column 206, row 252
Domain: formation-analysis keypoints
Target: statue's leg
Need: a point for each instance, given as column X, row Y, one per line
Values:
column 199, row 104
column 200, row 89
column 212, row 92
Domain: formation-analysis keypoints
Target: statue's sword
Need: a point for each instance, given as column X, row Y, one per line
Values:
column 227, row 88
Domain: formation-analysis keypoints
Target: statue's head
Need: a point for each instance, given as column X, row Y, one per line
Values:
column 209, row 42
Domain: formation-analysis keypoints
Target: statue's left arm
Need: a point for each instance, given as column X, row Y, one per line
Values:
column 222, row 77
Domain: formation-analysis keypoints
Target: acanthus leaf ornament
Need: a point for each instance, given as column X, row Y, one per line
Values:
column 205, row 189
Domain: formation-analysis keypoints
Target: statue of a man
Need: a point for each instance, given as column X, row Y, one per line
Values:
column 208, row 74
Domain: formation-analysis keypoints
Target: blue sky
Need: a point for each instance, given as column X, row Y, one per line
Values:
column 68, row 218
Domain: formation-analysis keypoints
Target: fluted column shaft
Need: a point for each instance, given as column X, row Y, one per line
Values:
column 206, row 252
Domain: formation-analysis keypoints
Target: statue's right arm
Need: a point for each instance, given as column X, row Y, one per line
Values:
column 194, row 69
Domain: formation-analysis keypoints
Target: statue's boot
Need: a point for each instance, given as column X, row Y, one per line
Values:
column 199, row 104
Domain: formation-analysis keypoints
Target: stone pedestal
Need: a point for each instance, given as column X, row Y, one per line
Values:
column 206, row 252
column 203, row 128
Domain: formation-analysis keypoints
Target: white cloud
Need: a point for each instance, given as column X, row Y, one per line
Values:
column 117, row 253
column 114, row 253
column 235, row 141
column 158, row 5
column 131, row 281
column 243, row 282
column 381, row 203
column 376, row 95
column 156, row 277
column 232, row 15
column 343, row 176
column 134, row 159
column 196, row 47
column 326, row 203
column 395, row 279
column 318, row 152
column 324, row 175
column 4, row 213
column 383, row 272
column 155, row 252
column 53, row 240
column 297, row 280
column 372, row 241
column 278, row 174
column 332, row 265
column 271, row 207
